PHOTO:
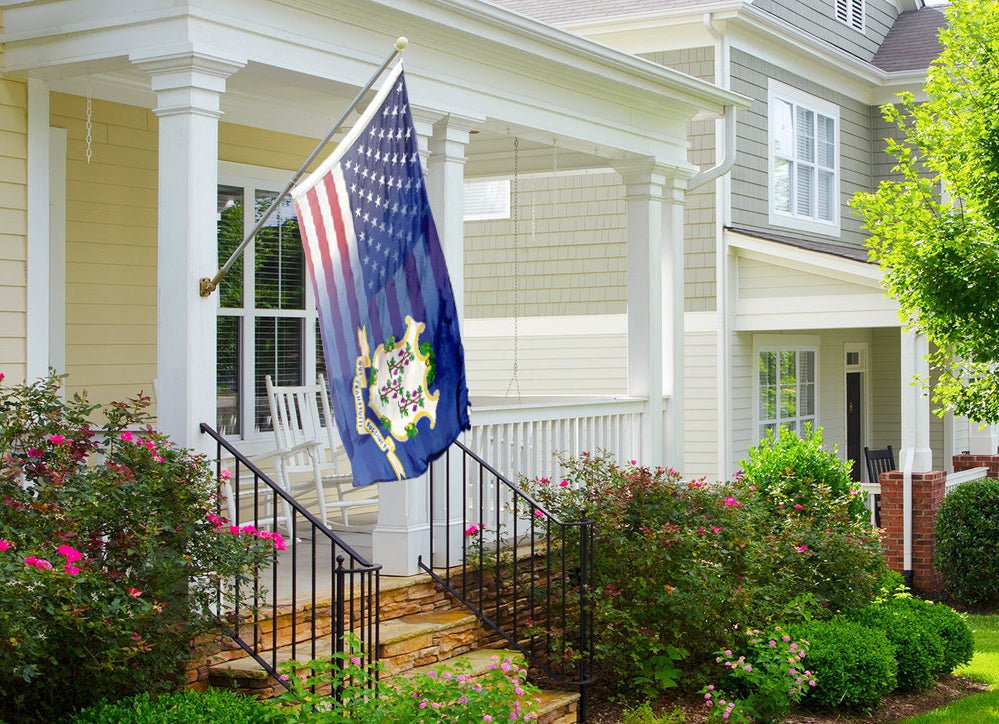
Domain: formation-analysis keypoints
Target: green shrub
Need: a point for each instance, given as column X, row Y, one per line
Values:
column 788, row 470
column 109, row 556
column 953, row 630
column 214, row 706
column 919, row 648
column 854, row 665
column 967, row 543
column 680, row 566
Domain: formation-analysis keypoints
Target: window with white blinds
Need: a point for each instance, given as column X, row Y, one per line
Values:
column 851, row 12
column 486, row 200
column 804, row 161
column 266, row 318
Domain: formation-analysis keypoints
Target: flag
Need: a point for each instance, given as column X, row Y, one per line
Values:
column 386, row 309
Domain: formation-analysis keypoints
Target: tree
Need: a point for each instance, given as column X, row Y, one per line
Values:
column 935, row 228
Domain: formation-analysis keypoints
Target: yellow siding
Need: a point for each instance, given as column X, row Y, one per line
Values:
column 13, row 222
column 110, row 247
column 111, row 216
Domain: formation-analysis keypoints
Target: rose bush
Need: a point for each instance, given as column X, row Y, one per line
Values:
column 112, row 553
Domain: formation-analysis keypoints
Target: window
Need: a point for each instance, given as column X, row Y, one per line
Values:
column 804, row 161
column 266, row 318
column 486, row 200
column 786, row 389
column 851, row 12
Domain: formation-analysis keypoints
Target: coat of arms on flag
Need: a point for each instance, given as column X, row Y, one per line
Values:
column 386, row 310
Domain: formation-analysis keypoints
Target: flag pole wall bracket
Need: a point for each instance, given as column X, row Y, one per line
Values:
column 208, row 285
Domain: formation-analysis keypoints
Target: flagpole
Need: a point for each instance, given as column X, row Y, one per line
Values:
column 206, row 285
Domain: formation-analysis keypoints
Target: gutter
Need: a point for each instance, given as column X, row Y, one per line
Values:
column 728, row 159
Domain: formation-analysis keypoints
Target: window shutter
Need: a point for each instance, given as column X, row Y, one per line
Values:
column 843, row 11
column 857, row 14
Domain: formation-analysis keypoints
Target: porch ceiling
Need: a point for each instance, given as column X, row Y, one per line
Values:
column 304, row 60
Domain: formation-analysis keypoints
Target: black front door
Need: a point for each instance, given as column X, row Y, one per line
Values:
column 853, row 424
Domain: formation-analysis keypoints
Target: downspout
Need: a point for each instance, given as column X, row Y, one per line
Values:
column 907, row 465
column 725, row 138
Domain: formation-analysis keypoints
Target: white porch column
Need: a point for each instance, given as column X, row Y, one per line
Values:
column 38, row 325
column 446, row 188
column 654, row 195
column 188, row 86
column 915, row 454
column 402, row 533
column 447, row 195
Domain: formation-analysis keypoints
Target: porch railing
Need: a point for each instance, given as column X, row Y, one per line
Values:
column 520, row 569
column 523, row 438
column 317, row 572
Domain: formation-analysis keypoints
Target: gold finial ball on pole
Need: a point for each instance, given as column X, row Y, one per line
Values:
column 401, row 42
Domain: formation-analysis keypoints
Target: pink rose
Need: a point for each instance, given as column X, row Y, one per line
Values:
column 472, row 529
column 4, row 545
column 56, row 439
column 126, row 436
column 563, row 484
column 133, row 592
column 71, row 554
column 71, row 569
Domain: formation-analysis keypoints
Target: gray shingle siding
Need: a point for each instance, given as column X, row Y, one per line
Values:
column 700, row 211
column 818, row 18
column 750, row 188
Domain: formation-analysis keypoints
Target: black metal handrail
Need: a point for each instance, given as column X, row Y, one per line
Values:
column 352, row 605
column 520, row 569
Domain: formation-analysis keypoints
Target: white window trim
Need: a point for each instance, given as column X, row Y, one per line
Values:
column 865, row 398
column 260, row 178
column 776, row 89
column 502, row 211
column 784, row 343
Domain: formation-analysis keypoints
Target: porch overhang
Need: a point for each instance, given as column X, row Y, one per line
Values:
column 786, row 286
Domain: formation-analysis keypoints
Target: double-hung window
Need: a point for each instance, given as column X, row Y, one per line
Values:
column 786, row 389
column 266, row 318
column 804, row 161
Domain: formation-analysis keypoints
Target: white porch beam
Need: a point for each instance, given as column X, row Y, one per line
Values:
column 916, row 455
column 654, row 196
column 188, row 86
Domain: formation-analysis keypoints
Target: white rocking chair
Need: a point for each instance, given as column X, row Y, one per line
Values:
column 308, row 445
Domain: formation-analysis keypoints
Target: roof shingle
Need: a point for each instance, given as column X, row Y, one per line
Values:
column 912, row 42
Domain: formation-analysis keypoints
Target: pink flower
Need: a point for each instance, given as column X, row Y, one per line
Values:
column 56, row 439
column 248, row 529
column 752, row 488
column 133, row 592
column 2, row 375
column 801, row 549
column 355, row 660
column 71, row 569
column 126, row 436
column 799, row 506
column 30, row 560
column 749, row 667
column 543, row 481
column 157, row 458
column 730, row 501
column 472, row 529
column 34, row 452
column 632, row 462
column 264, row 534
column 278, row 541
column 234, row 529
column 4, row 545
column 225, row 474
column 563, row 483
column 715, row 529
column 39, row 563
column 71, row 554
column 486, row 717
column 539, row 513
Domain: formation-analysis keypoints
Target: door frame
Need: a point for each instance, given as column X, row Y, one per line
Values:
column 861, row 365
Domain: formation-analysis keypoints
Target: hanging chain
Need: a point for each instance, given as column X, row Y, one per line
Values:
column 514, row 380
column 90, row 123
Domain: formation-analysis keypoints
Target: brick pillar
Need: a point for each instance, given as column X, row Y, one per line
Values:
column 966, row 462
column 927, row 493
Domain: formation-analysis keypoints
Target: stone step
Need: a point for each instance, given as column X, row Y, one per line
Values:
column 558, row 707
column 480, row 661
column 405, row 643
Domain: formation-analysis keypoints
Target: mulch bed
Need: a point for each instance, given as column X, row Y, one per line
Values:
column 895, row 707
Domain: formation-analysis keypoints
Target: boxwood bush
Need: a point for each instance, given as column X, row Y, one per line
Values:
column 919, row 647
column 854, row 665
column 214, row 706
column 967, row 543
column 953, row 630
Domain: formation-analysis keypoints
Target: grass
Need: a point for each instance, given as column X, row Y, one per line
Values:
column 984, row 667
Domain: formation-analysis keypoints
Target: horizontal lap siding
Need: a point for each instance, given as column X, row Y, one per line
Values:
column 750, row 190
column 886, row 389
column 759, row 280
column 818, row 18
column 13, row 223
column 700, row 415
column 111, row 253
column 571, row 251
column 111, row 212
column 699, row 212
column 884, row 163
column 551, row 365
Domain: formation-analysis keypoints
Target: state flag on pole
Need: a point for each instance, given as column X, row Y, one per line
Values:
column 386, row 309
